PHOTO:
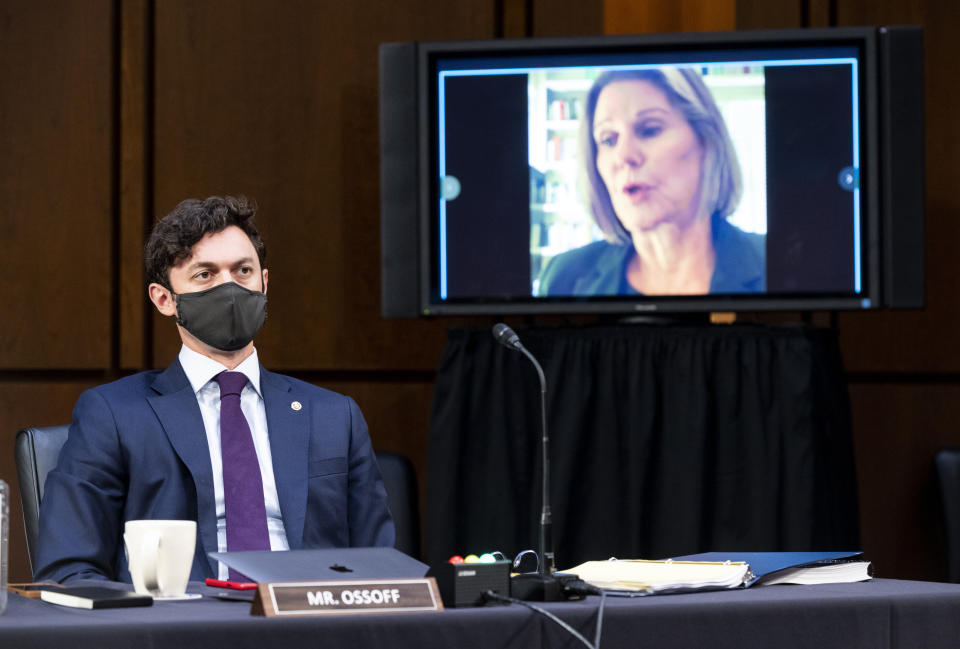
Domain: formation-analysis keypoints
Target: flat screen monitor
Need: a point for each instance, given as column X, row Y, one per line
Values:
column 669, row 173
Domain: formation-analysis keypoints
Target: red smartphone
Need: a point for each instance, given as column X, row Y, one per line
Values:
column 236, row 585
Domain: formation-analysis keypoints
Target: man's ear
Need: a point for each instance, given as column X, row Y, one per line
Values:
column 264, row 280
column 162, row 298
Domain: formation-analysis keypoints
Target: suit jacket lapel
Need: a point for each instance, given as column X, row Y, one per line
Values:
column 288, row 426
column 606, row 274
column 176, row 406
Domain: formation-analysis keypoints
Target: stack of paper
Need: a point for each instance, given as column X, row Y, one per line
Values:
column 719, row 570
column 661, row 576
column 832, row 573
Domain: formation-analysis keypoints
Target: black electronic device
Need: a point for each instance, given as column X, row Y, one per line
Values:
column 464, row 584
column 480, row 156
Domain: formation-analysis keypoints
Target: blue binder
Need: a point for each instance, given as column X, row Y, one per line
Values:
column 765, row 565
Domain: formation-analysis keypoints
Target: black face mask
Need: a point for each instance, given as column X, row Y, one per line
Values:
column 226, row 317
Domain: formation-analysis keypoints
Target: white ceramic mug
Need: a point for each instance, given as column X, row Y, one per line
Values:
column 160, row 555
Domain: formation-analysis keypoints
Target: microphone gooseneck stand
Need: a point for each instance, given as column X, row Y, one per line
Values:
column 543, row 585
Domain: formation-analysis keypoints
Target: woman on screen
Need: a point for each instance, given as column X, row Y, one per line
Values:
column 661, row 177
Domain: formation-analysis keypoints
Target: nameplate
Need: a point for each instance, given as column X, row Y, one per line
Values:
column 305, row 598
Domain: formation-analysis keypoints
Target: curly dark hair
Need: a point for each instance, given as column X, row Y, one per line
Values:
column 174, row 236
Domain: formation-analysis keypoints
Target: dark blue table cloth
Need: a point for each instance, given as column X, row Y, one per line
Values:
column 876, row 614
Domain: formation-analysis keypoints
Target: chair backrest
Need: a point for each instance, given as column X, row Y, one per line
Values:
column 400, row 481
column 947, row 462
column 36, row 451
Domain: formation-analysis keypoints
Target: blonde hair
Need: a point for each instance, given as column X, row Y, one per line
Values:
column 684, row 88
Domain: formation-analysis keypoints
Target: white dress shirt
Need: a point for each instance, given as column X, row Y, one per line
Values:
column 200, row 371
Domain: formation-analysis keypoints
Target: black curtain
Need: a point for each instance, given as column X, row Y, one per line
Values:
column 665, row 440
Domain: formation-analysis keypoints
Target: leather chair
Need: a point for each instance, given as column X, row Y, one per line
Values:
column 36, row 451
column 947, row 464
column 400, row 480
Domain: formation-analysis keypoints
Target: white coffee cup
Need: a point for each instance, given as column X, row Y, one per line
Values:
column 160, row 555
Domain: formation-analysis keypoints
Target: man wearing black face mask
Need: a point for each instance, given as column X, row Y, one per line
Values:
column 261, row 461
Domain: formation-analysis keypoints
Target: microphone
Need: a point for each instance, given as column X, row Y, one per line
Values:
column 542, row 586
column 506, row 336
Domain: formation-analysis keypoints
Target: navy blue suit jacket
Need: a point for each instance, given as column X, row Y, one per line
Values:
column 137, row 450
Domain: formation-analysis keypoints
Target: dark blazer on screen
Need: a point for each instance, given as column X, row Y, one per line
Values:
column 600, row 268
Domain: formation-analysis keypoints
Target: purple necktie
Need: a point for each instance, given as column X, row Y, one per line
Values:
column 246, row 514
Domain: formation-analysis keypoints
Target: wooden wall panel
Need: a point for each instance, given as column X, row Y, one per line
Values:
column 566, row 18
column 56, row 183
column 926, row 340
column 26, row 404
column 894, row 12
column 820, row 13
column 135, row 147
column 514, row 19
column 279, row 101
column 769, row 14
column 898, row 427
column 651, row 16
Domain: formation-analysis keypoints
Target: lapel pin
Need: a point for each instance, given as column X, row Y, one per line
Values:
column 296, row 405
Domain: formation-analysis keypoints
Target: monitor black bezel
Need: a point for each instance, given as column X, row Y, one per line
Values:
column 864, row 39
